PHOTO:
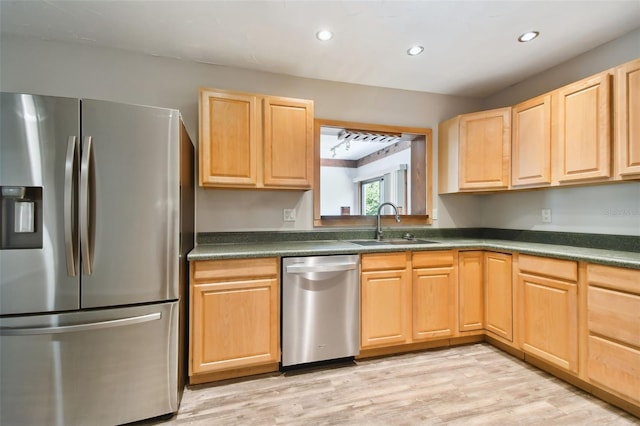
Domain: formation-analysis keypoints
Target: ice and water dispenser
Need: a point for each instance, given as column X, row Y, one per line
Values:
column 21, row 209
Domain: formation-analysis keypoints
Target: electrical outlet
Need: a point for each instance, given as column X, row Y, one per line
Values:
column 289, row 215
column 546, row 215
column 434, row 214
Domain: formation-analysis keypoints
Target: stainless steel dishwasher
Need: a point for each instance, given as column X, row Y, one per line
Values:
column 320, row 308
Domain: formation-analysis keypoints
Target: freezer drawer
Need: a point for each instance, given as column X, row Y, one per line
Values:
column 97, row 367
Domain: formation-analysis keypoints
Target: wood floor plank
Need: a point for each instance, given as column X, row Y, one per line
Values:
column 465, row 385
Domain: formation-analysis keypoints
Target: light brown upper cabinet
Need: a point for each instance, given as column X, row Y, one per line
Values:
column 581, row 115
column 531, row 143
column 255, row 141
column 475, row 152
column 627, row 124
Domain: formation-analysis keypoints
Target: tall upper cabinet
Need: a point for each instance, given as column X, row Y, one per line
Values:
column 255, row 141
column 582, row 125
column 531, row 143
column 627, row 120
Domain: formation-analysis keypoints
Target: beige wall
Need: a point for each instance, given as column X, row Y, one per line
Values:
column 36, row 66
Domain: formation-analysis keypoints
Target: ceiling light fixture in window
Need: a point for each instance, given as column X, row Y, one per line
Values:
column 415, row 50
column 528, row 36
column 324, row 35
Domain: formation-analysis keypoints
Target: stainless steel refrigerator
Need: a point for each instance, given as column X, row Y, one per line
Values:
column 97, row 218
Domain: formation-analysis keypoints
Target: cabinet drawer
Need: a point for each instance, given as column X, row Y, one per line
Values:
column 615, row 366
column 555, row 268
column 210, row 270
column 384, row 261
column 623, row 279
column 432, row 259
column 614, row 314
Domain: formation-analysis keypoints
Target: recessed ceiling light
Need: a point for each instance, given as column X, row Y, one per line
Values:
column 415, row 50
column 528, row 36
column 324, row 35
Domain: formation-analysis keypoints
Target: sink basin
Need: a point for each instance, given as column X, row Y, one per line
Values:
column 392, row 241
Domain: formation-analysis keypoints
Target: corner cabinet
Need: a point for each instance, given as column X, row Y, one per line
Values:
column 234, row 318
column 498, row 298
column 627, row 125
column 548, row 308
column 470, row 291
column 475, row 152
column 255, row 141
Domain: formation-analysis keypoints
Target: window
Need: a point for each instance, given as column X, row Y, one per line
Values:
column 371, row 195
column 337, row 187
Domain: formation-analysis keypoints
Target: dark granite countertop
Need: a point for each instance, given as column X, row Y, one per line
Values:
column 208, row 250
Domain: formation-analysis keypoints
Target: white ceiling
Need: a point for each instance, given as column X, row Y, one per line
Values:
column 470, row 46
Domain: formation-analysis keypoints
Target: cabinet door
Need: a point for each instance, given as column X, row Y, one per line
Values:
column 498, row 299
column 582, row 117
column 627, row 81
column 229, row 139
column 288, row 142
column 235, row 316
column 485, row 149
column 386, row 313
column 550, row 320
column 471, row 290
column 434, row 294
column 531, row 142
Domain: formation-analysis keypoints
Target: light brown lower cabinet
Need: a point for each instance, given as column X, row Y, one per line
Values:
column 470, row 291
column 235, row 315
column 434, row 283
column 407, row 297
column 498, row 298
column 385, row 299
column 548, row 310
column 613, row 323
column 426, row 298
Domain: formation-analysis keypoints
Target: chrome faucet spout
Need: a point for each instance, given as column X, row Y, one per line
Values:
column 379, row 227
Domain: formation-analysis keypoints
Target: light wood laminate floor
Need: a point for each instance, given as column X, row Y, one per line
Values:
column 465, row 385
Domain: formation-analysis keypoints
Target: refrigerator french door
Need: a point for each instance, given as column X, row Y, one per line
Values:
column 91, row 261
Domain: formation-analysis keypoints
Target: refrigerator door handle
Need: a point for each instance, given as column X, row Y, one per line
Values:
column 86, row 205
column 120, row 322
column 70, row 179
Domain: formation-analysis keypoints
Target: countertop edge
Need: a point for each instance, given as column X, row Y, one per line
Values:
column 319, row 248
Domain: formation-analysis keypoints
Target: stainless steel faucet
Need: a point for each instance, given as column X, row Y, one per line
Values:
column 379, row 228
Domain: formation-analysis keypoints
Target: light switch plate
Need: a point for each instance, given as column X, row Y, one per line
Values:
column 289, row 215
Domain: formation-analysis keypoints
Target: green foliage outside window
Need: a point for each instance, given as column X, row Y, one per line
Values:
column 371, row 194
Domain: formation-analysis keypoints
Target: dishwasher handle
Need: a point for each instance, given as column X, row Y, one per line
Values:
column 300, row 268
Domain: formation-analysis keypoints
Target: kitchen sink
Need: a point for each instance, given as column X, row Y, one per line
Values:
column 392, row 241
